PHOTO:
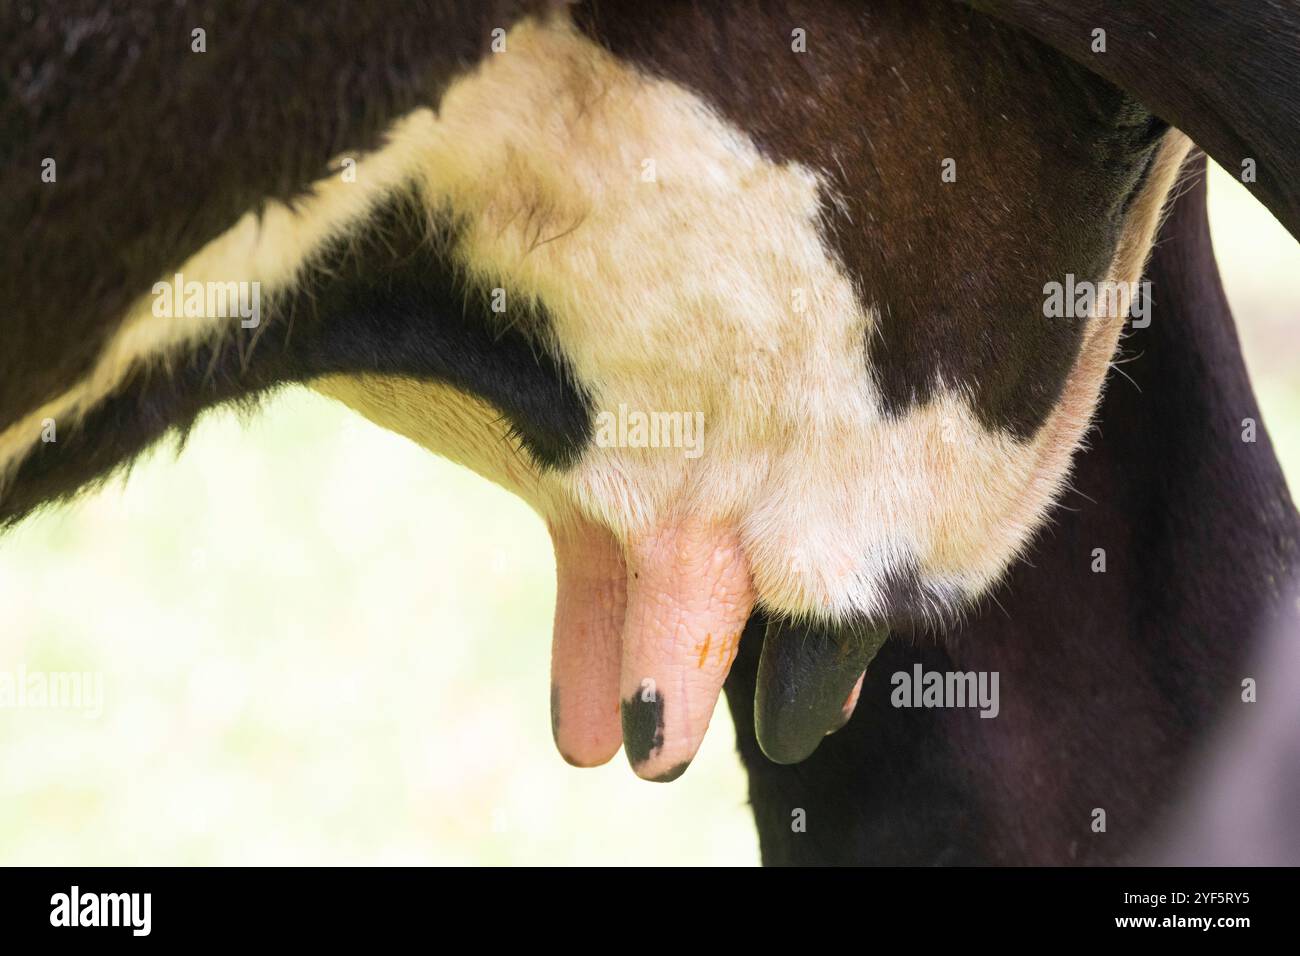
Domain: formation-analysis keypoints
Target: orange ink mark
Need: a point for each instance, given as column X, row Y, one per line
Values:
column 735, row 648
column 704, row 649
column 727, row 650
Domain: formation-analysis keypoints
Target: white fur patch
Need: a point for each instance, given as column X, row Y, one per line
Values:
column 708, row 289
column 683, row 272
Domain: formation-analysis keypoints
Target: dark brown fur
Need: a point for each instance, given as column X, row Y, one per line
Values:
column 159, row 149
column 1046, row 157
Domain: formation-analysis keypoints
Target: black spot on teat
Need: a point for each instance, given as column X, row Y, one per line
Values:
column 643, row 727
column 672, row 773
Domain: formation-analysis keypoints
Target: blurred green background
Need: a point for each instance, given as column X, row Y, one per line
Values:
column 320, row 644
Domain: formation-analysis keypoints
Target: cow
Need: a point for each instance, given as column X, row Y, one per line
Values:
column 768, row 309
